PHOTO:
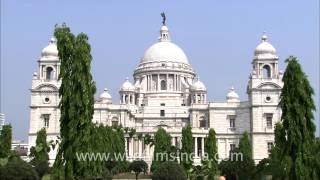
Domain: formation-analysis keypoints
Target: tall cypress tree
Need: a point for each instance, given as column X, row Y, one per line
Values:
column 162, row 144
column 39, row 154
column 187, row 147
column 298, row 128
column 5, row 141
column 246, row 166
column 77, row 100
column 212, row 150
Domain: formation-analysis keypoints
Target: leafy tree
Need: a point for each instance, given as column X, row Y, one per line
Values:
column 187, row 147
column 138, row 167
column 17, row 169
column 162, row 144
column 39, row 154
column 76, row 105
column 246, row 166
column 169, row 171
column 297, row 132
column 148, row 140
column 5, row 141
column 212, row 150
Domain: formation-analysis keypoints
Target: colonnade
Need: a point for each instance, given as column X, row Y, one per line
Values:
column 136, row 148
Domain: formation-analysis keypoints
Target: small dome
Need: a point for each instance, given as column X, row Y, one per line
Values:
column 232, row 96
column 164, row 28
column 265, row 48
column 51, row 49
column 105, row 94
column 127, row 86
column 198, row 86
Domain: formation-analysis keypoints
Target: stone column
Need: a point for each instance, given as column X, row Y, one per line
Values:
column 158, row 82
column 126, row 145
column 195, row 147
column 173, row 141
column 167, row 81
column 202, row 146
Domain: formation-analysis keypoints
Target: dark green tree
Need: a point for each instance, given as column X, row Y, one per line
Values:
column 212, row 152
column 246, row 166
column 138, row 167
column 187, row 148
column 162, row 144
column 169, row 171
column 5, row 141
column 298, row 128
column 17, row 169
column 39, row 154
column 76, row 105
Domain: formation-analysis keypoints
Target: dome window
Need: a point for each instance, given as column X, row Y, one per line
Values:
column 46, row 100
column 266, row 71
column 49, row 73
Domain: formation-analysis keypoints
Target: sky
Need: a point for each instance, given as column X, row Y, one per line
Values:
column 218, row 37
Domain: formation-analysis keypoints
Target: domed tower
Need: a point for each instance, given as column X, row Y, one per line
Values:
column 127, row 93
column 44, row 111
column 105, row 97
column 198, row 93
column 163, row 74
column 232, row 96
column 264, row 90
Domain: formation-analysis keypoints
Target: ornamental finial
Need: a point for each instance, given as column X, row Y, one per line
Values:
column 163, row 15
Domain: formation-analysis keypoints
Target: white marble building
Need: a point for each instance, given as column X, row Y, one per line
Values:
column 165, row 92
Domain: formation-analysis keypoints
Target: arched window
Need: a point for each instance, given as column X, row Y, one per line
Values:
column 266, row 71
column 49, row 74
column 163, row 85
column 114, row 122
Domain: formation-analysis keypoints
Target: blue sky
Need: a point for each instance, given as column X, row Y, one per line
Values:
column 218, row 37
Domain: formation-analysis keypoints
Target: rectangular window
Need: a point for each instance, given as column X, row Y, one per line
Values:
column 162, row 104
column 162, row 113
column 270, row 145
column 202, row 123
column 232, row 147
column 46, row 118
column 114, row 123
column 269, row 120
column 232, row 121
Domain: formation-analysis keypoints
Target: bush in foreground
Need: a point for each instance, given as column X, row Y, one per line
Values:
column 17, row 169
column 170, row 171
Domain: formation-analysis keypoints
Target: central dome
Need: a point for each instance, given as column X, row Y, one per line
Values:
column 164, row 51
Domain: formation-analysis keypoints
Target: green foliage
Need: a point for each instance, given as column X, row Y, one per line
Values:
column 245, row 145
column 241, row 168
column 148, row 140
column 76, row 105
column 5, row 141
column 246, row 166
column 39, row 154
column 294, row 151
column 132, row 132
column 211, row 148
column 162, row 144
column 187, row 147
column 17, row 169
column 138, row 167
column 169, row 171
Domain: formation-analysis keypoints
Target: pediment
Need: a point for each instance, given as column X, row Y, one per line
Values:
column 46, row 87
column 269, row 85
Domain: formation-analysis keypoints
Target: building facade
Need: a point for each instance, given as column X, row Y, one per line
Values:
column 167, row 93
